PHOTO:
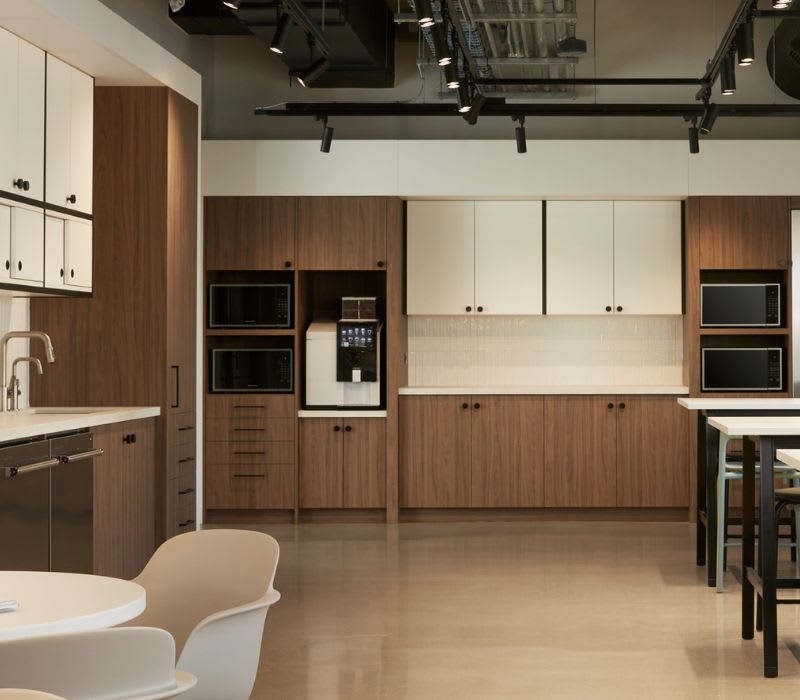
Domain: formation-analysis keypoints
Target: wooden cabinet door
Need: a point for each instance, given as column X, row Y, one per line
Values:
column 435, row 446
column 342, row 233
column 580, row 258
column 508, row 258
column 30, row 124
column 744, row 233
column 81, row 138
column 580, row 466
column 652, row 451
column 57, row 132
column 78, row 254
column 321, row 462
column 648, row 276
column 364, row 463
column 440, row 258
column 250, row 233
column 507, row 451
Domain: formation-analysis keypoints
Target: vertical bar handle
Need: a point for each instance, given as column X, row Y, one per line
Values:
column 177, row 401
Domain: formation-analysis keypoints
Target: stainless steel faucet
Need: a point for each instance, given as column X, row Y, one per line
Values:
column 13, row 390
column 8, row 402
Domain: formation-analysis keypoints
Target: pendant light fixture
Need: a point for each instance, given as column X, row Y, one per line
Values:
column 232, row 4
column 440, row 47
column 281, row 33
column 710, row 114
column 780, row 4
column 464, row 102
column 519, row 135
column 694, row 138
column 451, row 76
column 424, row 13
column 327, row 136
column 314, row 71
column 745, row 45
column 176, row 5
column 727, row 75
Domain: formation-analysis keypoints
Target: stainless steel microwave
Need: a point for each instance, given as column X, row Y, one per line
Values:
column 250, row 305
column 252, row 370
column 742, row 369
column 740, row 305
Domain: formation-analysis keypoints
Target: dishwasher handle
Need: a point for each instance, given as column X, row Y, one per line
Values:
column 79, row 456
column 33, row 467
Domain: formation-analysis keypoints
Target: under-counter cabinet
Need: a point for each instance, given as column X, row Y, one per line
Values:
column 22, row 84
column 342, row 463
column 250, row 233
column 474, row 257
column 342, row 233
column 614, row 257
column 69, row 137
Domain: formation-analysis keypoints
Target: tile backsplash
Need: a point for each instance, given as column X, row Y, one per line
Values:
column 544, row 350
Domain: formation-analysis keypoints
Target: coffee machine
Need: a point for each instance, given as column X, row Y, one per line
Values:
column 343, row 362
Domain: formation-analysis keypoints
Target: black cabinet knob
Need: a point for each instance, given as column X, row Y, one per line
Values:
column 619, row 308
column 465, row 406
column 19, row 265
column 608, row 308
column 336, row 428
column 469, row 308
column 72, row 273
column 18, row 183
column 72, row 199
column 380, row 263
column 476, row 406
column 610, row 406
column 61, row 272
column 480, row 308
column 348, row 428
column 8, row 264
column 26, row 185
column 288, row 263
column 622, row 406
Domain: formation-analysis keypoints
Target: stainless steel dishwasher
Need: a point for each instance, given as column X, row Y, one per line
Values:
column 46, row 503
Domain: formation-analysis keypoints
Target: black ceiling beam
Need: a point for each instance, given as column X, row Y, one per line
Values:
column 495, row 109
column 304, row 20
column 589, row 81
column 778, row 14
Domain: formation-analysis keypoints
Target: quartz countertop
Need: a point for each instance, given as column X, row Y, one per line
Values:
column 534, row 390
column 30, row 422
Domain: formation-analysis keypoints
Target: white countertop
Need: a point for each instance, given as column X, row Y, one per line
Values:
column 31, row 422
column 791, row 458
column 756, row 425
column 739, row 404
column 562, row 390
column 333, row 413
column 56, row 603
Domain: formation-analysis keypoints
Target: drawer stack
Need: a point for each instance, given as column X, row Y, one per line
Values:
column 250, row 451
column 181, row 473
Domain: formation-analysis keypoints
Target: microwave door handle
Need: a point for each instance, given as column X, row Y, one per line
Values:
column 177, row 387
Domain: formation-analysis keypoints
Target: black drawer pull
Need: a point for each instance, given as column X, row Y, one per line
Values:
column 248, row 476
column 185, row 428
column 249, row 453
column 250, row 406
column 248, row 430
column 185, row 492
column 186, row 459
column 186, row 523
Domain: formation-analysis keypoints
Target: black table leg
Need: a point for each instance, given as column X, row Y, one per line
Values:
column 748, row 534
column 768, row 551
column 711, row 469
column 701, row 486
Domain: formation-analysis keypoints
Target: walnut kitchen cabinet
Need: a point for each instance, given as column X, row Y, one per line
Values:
column 250, row 233
column 133, row 342
column 342, row 463
column 342, row 233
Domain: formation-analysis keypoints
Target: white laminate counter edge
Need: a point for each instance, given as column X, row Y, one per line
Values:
column 739, row 404
column 549, row 390
column 27, row 423
column 333, row 413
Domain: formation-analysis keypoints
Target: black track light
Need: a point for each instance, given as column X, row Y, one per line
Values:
column 451, row 76
column 478, row 100
column 310, row 74
column 440, row 47
column 424, row 13
column 176, row 5
column 780, row 4
column 464, row 102
column 281, row 33
column 727, row 75
column 745, row 45
column 232, row 4
column 710, row 114
column 327, row 137
column 519, row 135
column 694, row 138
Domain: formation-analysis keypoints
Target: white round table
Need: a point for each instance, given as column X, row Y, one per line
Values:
column 57, row 603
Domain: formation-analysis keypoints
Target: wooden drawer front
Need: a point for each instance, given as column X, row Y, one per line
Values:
column 250, row 486
column 181, row 428
column 181, row 460
column 250, row 429
column 260, row 406
column 254, row 453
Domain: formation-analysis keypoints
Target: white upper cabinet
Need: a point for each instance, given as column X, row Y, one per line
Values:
column 70, row 99
column 508, row 258
column 580, row 258
column 440, row 258
column 27, row 245
column 78, row 254
column 22, row 67
column 647, row 258
column 53, row 252
column 5, row 242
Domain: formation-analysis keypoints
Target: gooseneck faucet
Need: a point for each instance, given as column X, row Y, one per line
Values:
column 49, row 354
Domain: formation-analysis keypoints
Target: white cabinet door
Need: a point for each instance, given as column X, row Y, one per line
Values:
column 440, row 258
column 9, row 114
column 27, row 244
column 580, row 258
column 30, row 129
column 5, row 242
column 81, row 142
column 53, row 252
column 78, row 255
column 647, row 258
column 508, row 258
column 59, row 127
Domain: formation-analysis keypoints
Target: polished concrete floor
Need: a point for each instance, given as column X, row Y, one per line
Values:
column 508, row 610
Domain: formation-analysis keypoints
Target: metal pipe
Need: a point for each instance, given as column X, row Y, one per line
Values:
column 541, row 43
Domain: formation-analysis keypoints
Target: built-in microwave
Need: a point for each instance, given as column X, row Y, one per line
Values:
column 252, row 370
column 742, row 369
column 250, row 305
column 740, row 305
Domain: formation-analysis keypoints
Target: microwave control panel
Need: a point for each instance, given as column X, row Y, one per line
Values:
column 775, row 370
column 773, row 305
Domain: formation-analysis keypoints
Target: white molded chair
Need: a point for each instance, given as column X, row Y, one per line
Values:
column 131, row 663
column 211, row 589
column 19, row 694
